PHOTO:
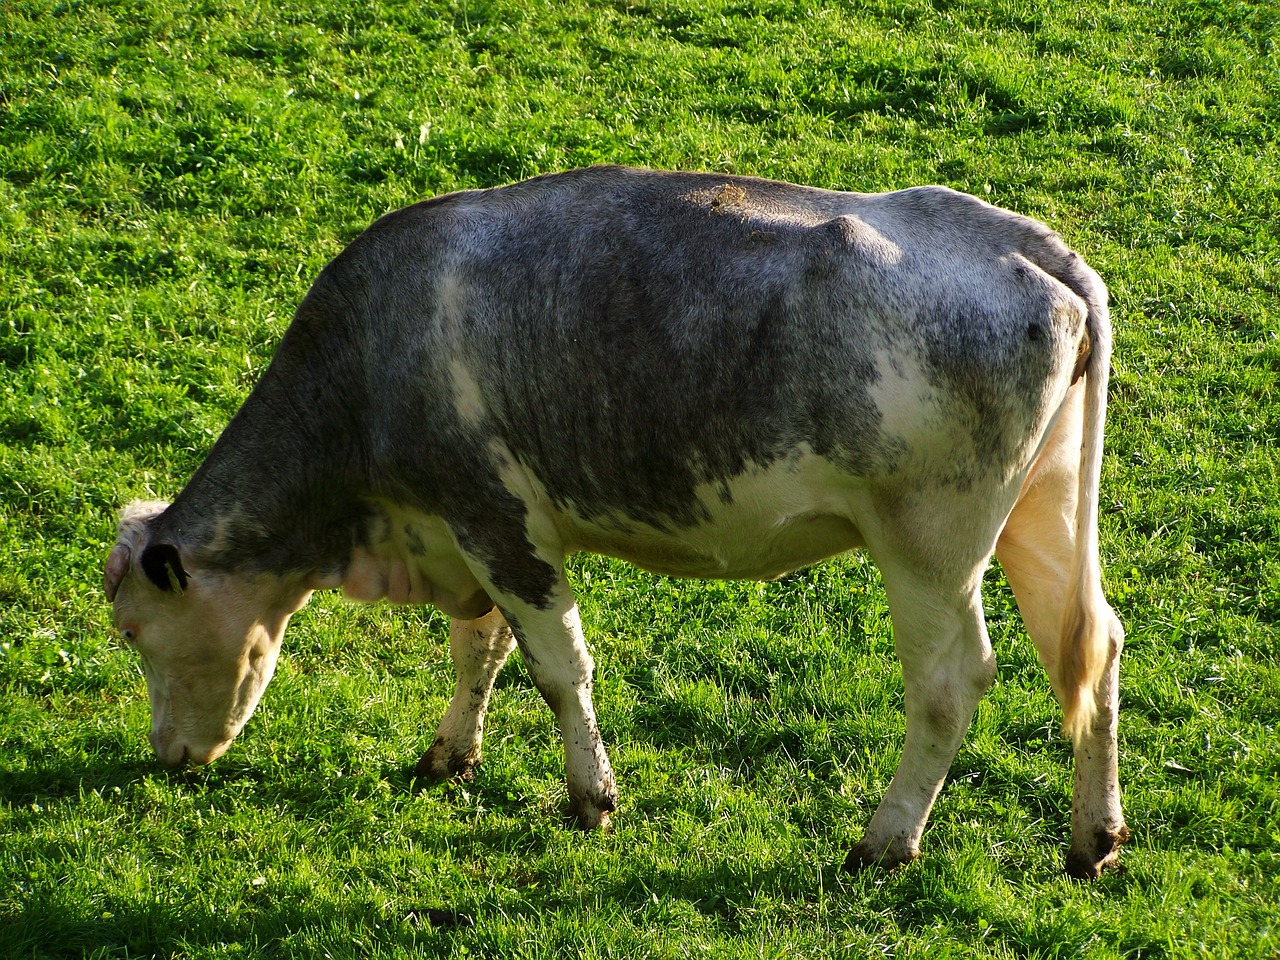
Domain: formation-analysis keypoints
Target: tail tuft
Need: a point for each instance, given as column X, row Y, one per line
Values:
column 1083, row 657
column 1086, row 628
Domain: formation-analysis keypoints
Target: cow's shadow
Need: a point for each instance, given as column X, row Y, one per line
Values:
column 49, row 776
column 271, row 926
column 721, row 888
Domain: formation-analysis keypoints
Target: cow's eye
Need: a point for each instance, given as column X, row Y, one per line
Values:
column 128, row 634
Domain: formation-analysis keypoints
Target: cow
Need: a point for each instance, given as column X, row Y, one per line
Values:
column 708, row 376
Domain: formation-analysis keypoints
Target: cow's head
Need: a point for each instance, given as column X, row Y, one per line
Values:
column 208, row 638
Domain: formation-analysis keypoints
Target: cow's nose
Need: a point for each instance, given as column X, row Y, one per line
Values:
column 206, row 755
column 169, row 754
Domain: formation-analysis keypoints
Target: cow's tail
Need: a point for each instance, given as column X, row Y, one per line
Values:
column 1086, row 627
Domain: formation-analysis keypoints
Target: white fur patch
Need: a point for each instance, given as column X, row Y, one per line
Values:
column 467, row 399
column 416, row 560
column 912, row 413
column 759, row 525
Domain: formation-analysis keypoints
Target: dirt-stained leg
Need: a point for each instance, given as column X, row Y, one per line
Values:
column 556, row 655
column 548, row 630
column 479, row 648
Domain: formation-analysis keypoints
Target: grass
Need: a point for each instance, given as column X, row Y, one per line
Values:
column 171, row 178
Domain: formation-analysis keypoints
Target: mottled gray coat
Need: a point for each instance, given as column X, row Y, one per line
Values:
column 710, row 376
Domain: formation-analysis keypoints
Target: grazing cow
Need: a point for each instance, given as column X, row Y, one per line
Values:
column 708, row 376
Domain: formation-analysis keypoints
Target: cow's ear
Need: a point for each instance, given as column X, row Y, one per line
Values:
column 163, row 566
column 117, row 567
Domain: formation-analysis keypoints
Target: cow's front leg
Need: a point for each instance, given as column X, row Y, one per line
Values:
column 557, row 658
column 947, row 664
column 535, row 598
column 479, row 648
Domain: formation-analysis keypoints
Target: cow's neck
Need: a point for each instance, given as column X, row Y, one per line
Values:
column 280, row 490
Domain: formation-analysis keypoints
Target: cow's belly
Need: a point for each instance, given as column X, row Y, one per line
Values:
column 759, row 525
column 758, row 549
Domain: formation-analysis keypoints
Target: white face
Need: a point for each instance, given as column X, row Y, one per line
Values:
column 208, row 650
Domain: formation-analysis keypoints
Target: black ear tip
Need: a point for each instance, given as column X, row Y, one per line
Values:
column 162, row 564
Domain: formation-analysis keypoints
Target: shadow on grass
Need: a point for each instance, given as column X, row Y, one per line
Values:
column 728, row 887
column 52, row 925
column 729, row 896
column 267, row 926
column 52, row 777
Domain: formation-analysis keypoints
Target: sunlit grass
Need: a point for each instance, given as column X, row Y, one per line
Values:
column 171, row 179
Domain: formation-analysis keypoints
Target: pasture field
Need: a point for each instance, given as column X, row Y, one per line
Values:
column 173, row 175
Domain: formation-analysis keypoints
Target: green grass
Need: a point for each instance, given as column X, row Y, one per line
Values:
column 171, row 178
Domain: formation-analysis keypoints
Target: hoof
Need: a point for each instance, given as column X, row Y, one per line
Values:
column 590, row 821
column 863, row 857
column 439, row 764
column 593, row 814
column 1102, row 855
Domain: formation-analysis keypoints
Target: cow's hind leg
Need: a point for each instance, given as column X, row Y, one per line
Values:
column 479, row 648
column 1036, row 551
column 947, row 664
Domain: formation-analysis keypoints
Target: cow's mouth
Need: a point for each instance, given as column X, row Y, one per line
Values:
column 173, row 759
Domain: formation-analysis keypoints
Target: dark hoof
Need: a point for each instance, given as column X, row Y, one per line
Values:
column 863, row 858
column 439, row 764
column 593, row 814
column 1104, row 857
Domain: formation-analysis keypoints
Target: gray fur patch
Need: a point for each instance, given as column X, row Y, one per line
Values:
column 627, row 337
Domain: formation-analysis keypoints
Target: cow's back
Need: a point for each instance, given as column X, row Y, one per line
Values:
column 632, row 338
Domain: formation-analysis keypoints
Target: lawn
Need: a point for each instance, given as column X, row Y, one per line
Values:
column 173, row 176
